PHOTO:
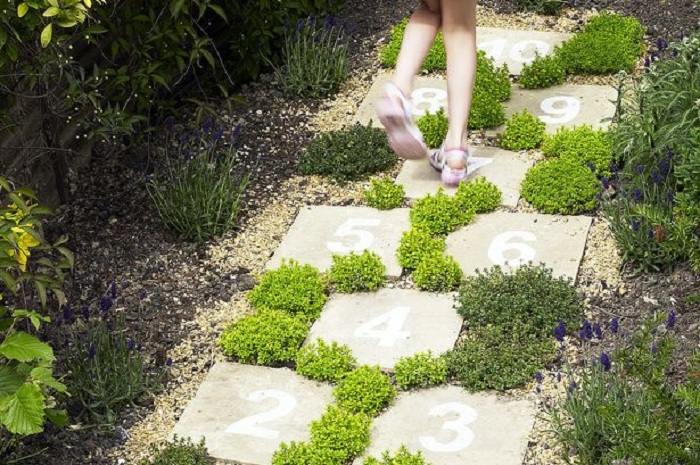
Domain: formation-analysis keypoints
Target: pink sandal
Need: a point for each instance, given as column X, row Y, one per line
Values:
column 395, row 114
column 439, row 160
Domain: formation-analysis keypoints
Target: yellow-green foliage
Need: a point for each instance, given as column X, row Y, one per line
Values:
column 325, row 362
column 420, row 370
column 437, row 273
column 365, row 390
column 523, row 131
column 544, row 71
column 561, row 186
column 357, row 272
column 439, row 214
column 583, row 145
column 402, row 457
column 415, row 244
column 434, row 127
column 478, row 195
column 384, row 194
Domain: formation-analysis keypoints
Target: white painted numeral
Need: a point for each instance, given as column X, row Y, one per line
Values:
column 394, row 321
column 249, row 426
column 502, row 243
column 464, row 435
column 494, row 48
column 351, row 228
column 518, row 52
column 560, row 109
column 428, row 100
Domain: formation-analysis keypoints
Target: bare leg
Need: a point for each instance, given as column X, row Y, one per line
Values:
column 418, row 38
column 459, row 28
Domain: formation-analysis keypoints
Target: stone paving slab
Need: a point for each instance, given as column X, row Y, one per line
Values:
column 450, row 426
column 565, row 105
column 503, row 168
column 383, row 326
column 244, row 412
column 516, row 47
column 320, row 232
column 512, row 239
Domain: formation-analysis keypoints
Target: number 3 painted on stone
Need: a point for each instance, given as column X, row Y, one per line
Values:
column 464, row 435
column 351, row 228
column 249, row 426
column 501, row 244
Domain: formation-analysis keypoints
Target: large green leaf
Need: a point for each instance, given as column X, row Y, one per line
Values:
column 23, row 411
column 25, row 347
column 45, row 376
column 10, row 380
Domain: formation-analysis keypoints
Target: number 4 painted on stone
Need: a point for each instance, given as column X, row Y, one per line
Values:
column 394, row 321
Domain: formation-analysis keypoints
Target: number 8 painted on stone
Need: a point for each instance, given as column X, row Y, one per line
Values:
column 464, row 435
column 502, row 243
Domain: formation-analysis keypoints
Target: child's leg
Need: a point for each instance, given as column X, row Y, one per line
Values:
column 418, row 38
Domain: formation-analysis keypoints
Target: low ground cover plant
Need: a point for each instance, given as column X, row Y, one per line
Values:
column 523, row 131
column 357, row 272
column 402, row 457
column 420, row 371
column 434, row 128
column 292, row 288
column 547, row 7
column 269, row 337
column 582, row 144
column 315, row 59
column 543, row 71
column 415, row 245
column 435, row 60
column 179, row 452
column 364, row 390
column 325, row 362
column 478, row 195
column 561, row 186
column 348, row 154
column 439, row 214
column 437, row 272
column 384, row 194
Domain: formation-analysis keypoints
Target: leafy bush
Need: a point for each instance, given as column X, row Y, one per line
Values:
column 491, row 79
column 523, row 131
column 543, row 71
column 292, row 288
column 416, row 244
column 107, row 372
column 581, row 144
column 270, row 337
column 384, row 194
column 547, row 7
column 420, row 370
column 437, row 272
column 325, row 362
column 478, row 195
column 402, row 457
column 439, row 214
column 348, row 154
column 608, row 43
column 364, row 390
column 198, row 189
column 493, row 357
column 486, row 111
column 357, row 272
column 435, row 60
column 561, row 186
column 179, row 452
column 315, row 59
column 343, row 434
column 434, row 128
column 529, row 296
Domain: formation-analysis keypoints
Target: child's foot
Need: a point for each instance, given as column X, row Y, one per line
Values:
column 451, row 163
column 394, row 112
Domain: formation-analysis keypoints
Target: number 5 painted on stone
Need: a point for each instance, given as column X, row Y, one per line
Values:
column 502, row 243
column 351, row 228
column 249, row 426
column 464, row 435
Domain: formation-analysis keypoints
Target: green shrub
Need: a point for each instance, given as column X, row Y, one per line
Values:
column 304, row 453
column 179, row 452
column 523, row 131
column 292, row 288
column 608, row 43
column 341, row 434
column 357, row 272
column 544, row 71
column 315, row 60
column 349, row 154
column 416, row 244
column 490, row 79
column 478, row 195
column 439, row 214
column 402, row 457
column 384, row 194
column 434, row 128
column 547, row 7
column 420, row 370
column 496, row 358
column 581, row 144
column 435, row 60
column 365, row 390
column 270, row 337
column 437, row 272
column 198, row 189
column 325, row 362
column 486, row 112
column 561, row 186
column 529, row 296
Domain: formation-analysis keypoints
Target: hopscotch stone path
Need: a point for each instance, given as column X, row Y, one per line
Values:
column 244, row 412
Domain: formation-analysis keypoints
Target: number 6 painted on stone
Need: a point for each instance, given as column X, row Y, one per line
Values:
column 464, row 435
column 351, row 228
column 502, row 243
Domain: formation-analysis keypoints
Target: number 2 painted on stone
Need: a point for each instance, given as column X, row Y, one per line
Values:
column 351, row 228
column 249, row 426
column 463, row 435
column 503, row 243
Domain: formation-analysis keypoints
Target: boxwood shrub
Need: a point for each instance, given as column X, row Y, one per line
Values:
column 416, row 244
column 437, row 272
column 434, row 128
column 420, row 370
column 357, row 272
column 384, row 194
column 269, row 337
column 523, row 131
column 293, row 288
column 402, row 457
column 478, row 195
column 582, row 144
column 325, row 362
column 439, row 214
column 543, row 71
column 561, row 186
column 348, row 154
column 365, row 390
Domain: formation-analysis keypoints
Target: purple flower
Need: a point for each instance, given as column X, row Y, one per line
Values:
column 661, row 44
column 614, row 325
column 86, row 312
column 105, row 304
column 654, row 347
column 670, row 196
column 635, row 224
column 130, row 344
column 586, row 332
column 590, row 166
column 650, row 233
column 67, row 314
column 671, row 319
column 560, row 331
column 597, row 331
column 92, row 351
column 665, row 165
column 572, row 386
column 113, row 290
column 639, row 168
column 539, row 377
column 605, row 182
column 656, row 176
column 208, row 124
column 142, row 294
column 647, row 62
column 637, row 195
column 605, row 361
column 558, row 376
column 169, row 362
